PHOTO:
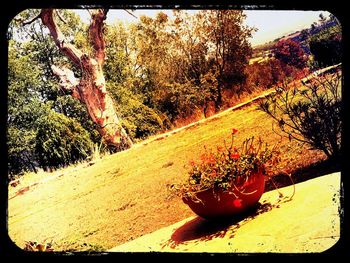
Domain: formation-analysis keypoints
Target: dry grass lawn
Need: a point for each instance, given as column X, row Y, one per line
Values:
column 124, row 196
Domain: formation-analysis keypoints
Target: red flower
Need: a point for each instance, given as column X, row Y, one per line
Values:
column 237, row 203
column 234, row 131
column 203, row 157
column 234, row 155
column 211, row 160
column 213, row 174
column 208, row 159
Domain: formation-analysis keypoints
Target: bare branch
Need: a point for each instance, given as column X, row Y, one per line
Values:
column 130, row 13
column 29, row 21
column 105, row 11
column 62, row 43
column 61, row 17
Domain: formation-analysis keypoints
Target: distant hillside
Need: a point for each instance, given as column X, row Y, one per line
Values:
column 301, row 36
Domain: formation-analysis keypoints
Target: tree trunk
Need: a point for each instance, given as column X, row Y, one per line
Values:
column 91, row 88
column 30, row 162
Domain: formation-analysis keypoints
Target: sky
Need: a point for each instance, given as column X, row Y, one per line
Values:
column 274, row 24
column 271, row 24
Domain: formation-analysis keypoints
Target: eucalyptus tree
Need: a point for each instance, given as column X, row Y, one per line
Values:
column 85, row 80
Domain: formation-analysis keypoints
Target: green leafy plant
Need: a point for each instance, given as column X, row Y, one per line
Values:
column 221, row 169
column 61, row 141
column 326, row 46
column 310, row 114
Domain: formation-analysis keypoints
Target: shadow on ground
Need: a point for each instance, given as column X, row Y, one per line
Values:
column 200, row 229
column 303, row 174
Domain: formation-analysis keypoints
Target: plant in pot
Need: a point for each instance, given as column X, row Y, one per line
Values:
column 228, row 181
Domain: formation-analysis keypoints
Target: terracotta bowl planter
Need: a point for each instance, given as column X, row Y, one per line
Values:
column 215, row 203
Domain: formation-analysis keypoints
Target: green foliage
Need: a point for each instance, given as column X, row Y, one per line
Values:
column 129, row 93
column 118, row 65
column 139, row 120
column 34, row 93
column 185, row 63
column 224, row 31
column 61, row 141
column 24, row 108
column 72, row 108
column 143, row 121
column 310, row 114
column 20, row 145
column 326, row 46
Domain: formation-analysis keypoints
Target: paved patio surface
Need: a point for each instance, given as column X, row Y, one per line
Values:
column 309, row 222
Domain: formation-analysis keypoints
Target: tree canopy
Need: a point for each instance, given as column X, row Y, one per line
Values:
column 158, row 71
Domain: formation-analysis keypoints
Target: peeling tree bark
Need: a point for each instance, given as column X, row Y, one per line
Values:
column 90, row 89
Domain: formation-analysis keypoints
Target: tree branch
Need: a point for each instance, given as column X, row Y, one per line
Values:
column 68, row 81
column 61, row 17
column 62, row 43
column 96, row 34
column 27, row 22
column 130, row 13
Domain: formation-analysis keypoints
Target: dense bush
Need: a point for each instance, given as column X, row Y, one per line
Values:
column 20, row 150
column 310, row 114
column 326, row 47
column 270, row 73
column 139, row 120
column 290, row 53
column 60, row 141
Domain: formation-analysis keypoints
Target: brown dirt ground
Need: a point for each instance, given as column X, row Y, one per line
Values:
column 124, row 196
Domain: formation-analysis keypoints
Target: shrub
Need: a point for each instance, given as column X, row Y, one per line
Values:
column 139, row 120
column 290, row 53
column 326, row 47
column 267, row 74
column 310, row 114
column 259, row 75
column 61, row 141
column 20, row 144
column 180, row 101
